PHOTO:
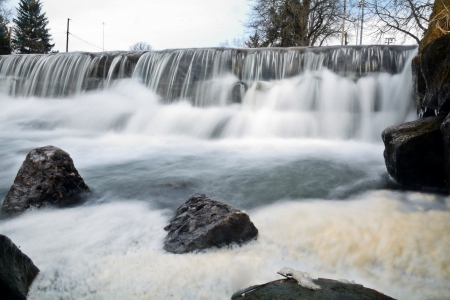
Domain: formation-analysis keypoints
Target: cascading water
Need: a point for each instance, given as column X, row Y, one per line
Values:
column 290, row 135
column 331, row 92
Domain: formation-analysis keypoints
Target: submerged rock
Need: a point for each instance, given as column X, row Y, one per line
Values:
column 290, row 289
column 17, row 271
column 46, row 177
column 201, row 223
column 414, row 153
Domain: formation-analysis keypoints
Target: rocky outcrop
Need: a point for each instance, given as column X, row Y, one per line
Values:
column 414, row 153
column 201, row 223
column 289, row 289
column 431, row 67
column 445, row 129
column 435, row 69
column 17, row 271
column 46, row 177
column 436, row 24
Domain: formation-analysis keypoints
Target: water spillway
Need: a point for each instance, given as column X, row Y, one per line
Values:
column 291, row 135
column 331, row 92
column 174, row 72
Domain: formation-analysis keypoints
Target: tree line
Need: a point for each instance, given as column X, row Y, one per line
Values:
column 29, row 33
column 289, row 23
column 271, row 23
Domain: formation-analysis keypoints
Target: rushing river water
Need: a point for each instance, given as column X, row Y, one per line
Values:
column 301, row 154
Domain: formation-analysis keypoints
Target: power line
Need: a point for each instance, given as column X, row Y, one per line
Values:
column 85, row 41
column 81, row 24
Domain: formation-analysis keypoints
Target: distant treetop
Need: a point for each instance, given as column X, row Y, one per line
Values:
column 30, row 29
column 141, row 46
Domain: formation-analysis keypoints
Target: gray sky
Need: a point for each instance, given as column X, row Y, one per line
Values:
column 161, row 23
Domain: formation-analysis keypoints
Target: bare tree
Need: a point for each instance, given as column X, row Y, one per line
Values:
column 141, row 46
column 5, row 15
column 400, row 19
column 236, row 42
column 289, row 23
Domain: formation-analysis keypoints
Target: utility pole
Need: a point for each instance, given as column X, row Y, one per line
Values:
column 362, row 4
column 103, row 36
column 343, row 22
column 67, row 40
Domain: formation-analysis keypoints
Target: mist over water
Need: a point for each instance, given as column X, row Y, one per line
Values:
column 301, row 154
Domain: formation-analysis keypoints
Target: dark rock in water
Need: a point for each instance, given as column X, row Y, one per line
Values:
column 238, row 92
column 202, row 223
column 414, row 153
column 289, row 289
column 445, row 129
column 435, row 66
column 17, row 271
column 46, row 177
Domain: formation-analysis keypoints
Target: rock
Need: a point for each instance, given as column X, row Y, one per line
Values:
column 238, row 91
column 420, row 88
column 46, row 177
column 445, row 129
column 17, row 271
column 414, row 153
column 433, row 32
column 435, row 68
column 201, row 223
column 289, row 289
column 431, row 67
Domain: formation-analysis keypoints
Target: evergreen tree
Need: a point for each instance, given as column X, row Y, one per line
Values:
column 30, row 29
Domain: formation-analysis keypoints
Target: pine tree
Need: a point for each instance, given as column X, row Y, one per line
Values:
column 30, row 29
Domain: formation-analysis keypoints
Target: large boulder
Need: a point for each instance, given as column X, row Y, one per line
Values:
column 435, row 67
column 17, row 271
column 445, row 129
column 46, row 177
column 289, row 289
column 430, row 68
column 202, row 223
column 414, row 153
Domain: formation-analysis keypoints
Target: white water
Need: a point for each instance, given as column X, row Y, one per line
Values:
column 301, row 155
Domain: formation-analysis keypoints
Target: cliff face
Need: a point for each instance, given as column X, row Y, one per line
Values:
column 431, row 76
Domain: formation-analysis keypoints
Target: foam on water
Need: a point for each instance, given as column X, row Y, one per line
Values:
column 114, row 251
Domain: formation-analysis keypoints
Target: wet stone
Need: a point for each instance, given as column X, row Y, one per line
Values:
column 47, row 177
column 17, row 271
column 414, row 153
column 201, row 223
column 289, row 289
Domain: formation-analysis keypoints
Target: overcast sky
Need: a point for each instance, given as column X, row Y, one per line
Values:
column 163, row 24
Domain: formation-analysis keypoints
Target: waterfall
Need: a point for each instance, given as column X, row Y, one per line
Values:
column 291, row 136
column 350, row 92
column 60, row 75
